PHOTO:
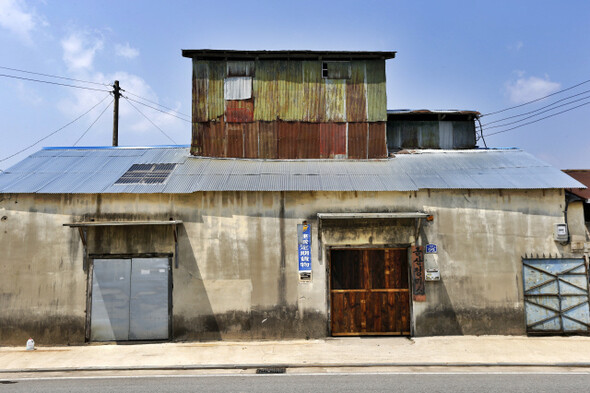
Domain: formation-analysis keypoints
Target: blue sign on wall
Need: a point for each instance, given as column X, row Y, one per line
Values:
column 431, row 249
column 304, row 240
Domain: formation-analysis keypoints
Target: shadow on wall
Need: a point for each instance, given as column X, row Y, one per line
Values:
column 190, row 289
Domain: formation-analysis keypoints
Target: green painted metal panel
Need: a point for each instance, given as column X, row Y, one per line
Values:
column 356, row 93
column 215, row 99
column 292, row 105
column 376, row 95
column 200, row 90
column 314, row 93
column 335, row 100
column 266, row 90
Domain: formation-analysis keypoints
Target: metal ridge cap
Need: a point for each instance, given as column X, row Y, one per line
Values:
column 114, row 147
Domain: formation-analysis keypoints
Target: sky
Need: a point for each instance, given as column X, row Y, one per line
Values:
column 470, row 55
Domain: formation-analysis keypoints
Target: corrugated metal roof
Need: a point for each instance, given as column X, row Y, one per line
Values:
column 583, row 176
column 95, row 170
column 284, row 54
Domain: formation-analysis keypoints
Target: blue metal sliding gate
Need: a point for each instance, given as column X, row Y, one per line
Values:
column 556, row 295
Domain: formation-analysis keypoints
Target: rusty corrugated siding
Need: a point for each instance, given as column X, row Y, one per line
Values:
column 268, row 139
column 335, row 100
column 200, row 91
column 314, row 93
column 332, row 140
column 266, row 91
column 292, row 105
column 357, row 140
column 376, row 95
column 356, row 93
column 234, row 143
column 239, row 111
column 197, row 140
column 215, row 99
column 251, row 140
column 288, row 134
column 377, row 140
column 214, row 139
column 240, row 68
column 308, row 140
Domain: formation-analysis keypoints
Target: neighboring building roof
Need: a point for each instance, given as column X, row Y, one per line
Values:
column 74, row 170
column 417, row 113
column 221, row 54
column 583, row 176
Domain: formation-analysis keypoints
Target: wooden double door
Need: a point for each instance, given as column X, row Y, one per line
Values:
column 369, row 292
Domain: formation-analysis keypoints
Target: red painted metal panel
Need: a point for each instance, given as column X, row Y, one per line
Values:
column 235, row 140
column 287, row 147
column 377, row 141
column 197, row 140
column 268, row 139
column 308, row 140
column 251, row 140
column 332, row 140
column 239, row 111
column 357, row 140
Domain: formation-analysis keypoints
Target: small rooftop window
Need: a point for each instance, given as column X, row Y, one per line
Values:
column 146, row 174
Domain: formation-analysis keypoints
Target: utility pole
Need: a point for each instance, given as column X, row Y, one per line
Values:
column 116, row 93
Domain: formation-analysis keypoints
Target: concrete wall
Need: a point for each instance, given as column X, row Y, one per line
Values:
column 237, row 275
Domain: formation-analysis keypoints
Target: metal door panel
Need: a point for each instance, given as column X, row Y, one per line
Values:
column 110, row 299
column 148, row 310
column 556, row 295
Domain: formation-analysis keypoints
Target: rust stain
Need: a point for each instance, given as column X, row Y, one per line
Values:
column 377, row 140
column 239, row 111
column 357, row 140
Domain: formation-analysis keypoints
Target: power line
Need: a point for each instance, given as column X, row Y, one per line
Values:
column 105, row 108
column 54, row 76
column 537, row 114
column 51, row 83
column 543, row 118
column 539, row 109
column 155, row 103
column 54, row 132
column 535, row 100
column 154, row 124
column 156, row 109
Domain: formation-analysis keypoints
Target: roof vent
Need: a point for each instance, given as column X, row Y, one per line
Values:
column 146, row 174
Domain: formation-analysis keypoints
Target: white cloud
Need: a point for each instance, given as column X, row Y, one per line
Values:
column 15, row 18
column 516, row 46
column 526, row 89
column 79, row 49
column 133, row 126
column 126, row 51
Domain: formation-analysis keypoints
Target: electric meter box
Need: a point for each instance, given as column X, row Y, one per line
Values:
column 560, row 233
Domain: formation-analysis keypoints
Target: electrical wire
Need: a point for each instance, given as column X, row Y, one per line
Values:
column 537, row 114
column 54, row 76
column 481, row 133
column 56, row 131
column 156, row 109
column 535, row 100
column 148, row 119
column 89, row 127
column 535, row 121
column 51, row 83
column 539, row 109
column 155, row 103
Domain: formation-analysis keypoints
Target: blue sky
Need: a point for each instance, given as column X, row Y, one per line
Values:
column 475, row 55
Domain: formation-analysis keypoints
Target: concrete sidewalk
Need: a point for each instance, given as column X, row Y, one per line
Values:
column 330, row 352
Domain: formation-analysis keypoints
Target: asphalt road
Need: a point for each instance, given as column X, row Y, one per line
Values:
column 415, row 383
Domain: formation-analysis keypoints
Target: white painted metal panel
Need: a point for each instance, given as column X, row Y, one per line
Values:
column 110, row 300
column 237, row 88
column 148, row 308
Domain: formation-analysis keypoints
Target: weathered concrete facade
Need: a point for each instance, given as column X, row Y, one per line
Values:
column 237, row 271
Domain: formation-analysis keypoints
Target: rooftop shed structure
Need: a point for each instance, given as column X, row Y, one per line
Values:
column 289, row 104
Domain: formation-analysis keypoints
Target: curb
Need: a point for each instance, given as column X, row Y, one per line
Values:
column 287, row 366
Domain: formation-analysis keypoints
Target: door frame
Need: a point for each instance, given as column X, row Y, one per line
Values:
column 90, row 273
column 329, row 248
